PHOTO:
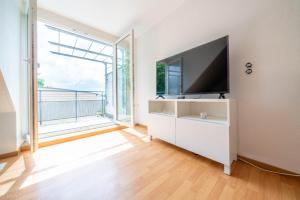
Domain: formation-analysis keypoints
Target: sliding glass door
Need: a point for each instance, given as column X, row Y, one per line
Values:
column 124, row 80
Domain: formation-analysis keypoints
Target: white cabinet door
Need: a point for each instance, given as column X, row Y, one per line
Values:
column 207, row 139
column 162, row 127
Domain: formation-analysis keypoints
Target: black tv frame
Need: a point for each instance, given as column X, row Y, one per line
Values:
column 176, row 56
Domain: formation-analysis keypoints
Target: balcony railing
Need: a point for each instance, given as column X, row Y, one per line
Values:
column 58, row 104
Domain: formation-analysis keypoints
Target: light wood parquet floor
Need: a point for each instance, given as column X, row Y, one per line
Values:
column 126, row 165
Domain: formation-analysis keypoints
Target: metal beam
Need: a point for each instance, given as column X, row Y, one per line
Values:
column 64, row 54
column 74, row 46
column 101, row 52
column 79, row 49
column 88, row 49
column 76, row 35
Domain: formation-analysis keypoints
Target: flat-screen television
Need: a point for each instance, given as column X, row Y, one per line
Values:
column 201, row 70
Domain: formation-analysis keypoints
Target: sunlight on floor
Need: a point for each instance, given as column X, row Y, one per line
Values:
column 138, row 134
column 13, row 171
column 65, row 158
column 54, row 161
column 8, row 178
column 2, row 166
column 5, row 187
column 78, row 149
column 53, row 172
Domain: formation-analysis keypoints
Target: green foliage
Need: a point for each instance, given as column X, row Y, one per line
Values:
column 160, row 78
column 41, row 82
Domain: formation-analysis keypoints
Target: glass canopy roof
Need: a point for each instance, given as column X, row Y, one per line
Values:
column 70, row 44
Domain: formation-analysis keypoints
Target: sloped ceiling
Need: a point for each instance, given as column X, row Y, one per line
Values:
column 114, row 16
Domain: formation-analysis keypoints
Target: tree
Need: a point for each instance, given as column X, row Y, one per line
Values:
column 160, row 78
column 41, row 83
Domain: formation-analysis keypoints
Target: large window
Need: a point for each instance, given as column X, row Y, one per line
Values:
column 74, row 81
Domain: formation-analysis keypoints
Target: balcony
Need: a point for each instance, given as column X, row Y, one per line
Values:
column 62, row 111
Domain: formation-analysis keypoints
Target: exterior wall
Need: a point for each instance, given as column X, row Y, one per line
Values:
column 67, row 96
column 56, row 104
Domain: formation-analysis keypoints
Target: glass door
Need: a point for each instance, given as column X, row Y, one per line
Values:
column 30, row 20
column 124, row 80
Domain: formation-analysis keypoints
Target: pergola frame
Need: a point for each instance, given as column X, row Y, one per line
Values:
column 86, row 51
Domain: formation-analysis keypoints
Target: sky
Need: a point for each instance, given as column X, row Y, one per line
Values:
column 66, row 72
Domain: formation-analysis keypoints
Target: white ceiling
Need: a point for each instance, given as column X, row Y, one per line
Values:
column 113, row 16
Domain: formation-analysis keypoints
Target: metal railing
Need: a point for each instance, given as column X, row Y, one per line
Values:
column 58, row 104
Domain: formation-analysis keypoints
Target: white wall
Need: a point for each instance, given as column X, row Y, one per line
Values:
column 7, row 120
column 10, row 46
column 265, row 33
column 8, row 135
column 10, row 66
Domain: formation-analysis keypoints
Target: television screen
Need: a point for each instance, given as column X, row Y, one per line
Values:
column 200, row 70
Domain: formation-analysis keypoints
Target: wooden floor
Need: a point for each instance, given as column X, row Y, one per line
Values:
column 126, row 165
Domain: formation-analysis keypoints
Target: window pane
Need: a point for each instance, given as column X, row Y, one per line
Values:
column 67, row 39
column 108, row 50
column 91, row 55
column 79, row 53
column 96, row 47
column 65, row 50
column 82, row 43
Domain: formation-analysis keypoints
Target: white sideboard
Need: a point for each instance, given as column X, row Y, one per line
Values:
column 178, row 121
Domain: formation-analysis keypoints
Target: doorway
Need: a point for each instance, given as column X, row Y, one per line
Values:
column 63, row 103
column 74, row 82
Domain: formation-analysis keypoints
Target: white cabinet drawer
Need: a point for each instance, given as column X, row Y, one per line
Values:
column 207, row 139
column 162, row 127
